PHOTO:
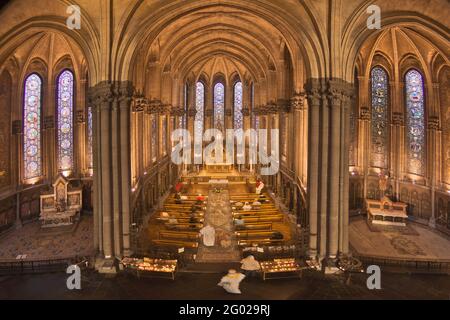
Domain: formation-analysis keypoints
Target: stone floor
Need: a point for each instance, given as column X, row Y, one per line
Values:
column 414, row 241
column 194, row 286
column 37, row 242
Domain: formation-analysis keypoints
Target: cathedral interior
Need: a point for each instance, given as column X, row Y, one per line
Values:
column 356, row 120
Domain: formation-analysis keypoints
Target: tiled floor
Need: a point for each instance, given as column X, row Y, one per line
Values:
column 36, row 242
column 417, row 242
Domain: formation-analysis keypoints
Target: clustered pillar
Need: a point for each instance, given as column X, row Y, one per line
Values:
column 111, row 106
column 328, row 138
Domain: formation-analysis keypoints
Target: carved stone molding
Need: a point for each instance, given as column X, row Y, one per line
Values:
column 49, row 122
column 16, row 127
column 80, row 117
column 433, row 123
column 192, row 112
column 228, row 112
column 398, row 119
column 298, row 101
column 246, row 111
column 364, row 114
column 209, row 113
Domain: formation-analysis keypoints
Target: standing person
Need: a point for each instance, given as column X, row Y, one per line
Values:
column 250, row 266
column 231, row 281
column 209, row 236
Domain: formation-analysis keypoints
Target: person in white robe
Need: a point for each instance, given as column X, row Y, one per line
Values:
column 250, row 266
column 247, row 207
column 231, row 282
column 209, row 235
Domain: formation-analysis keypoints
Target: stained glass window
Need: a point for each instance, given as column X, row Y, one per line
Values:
column 154, row 134
column 32, row 127
column 380, row 135
column 65, row 120
column 238, row 119
column 200, row 108
column 219, row 106
column 89, row 138
column 415, row 121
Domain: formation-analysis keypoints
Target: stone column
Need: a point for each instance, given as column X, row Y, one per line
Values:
column 126, row 92
column 335, row 100
column 115, row 166
column 17, row 132
column 434, row 163
column 325, row 111
column 105, row 95
column 314, row 103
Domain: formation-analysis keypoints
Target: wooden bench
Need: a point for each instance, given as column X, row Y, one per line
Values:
column 175, row 243
column 187, row 220
column 255, row 213
column 254, row 234
column 258, row 242
column 179, row 235
column 184, row 226
column 265, row 218
column 254, row 226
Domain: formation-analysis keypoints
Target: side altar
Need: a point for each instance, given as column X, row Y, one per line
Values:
column 61, row 205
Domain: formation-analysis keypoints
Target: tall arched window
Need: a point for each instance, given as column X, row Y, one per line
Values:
column 200, row 108
column 238, row 118
column 219, row 106
column 32, row 127
column 65, row 121
column 415, row 121
column 380, row 133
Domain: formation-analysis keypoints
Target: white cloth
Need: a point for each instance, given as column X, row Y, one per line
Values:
column 250, row 264
column 231, row 282
column 247, row 207
column 209, row 236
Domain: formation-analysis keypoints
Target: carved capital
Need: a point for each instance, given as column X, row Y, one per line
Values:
column 364, row 114
column 80, row 117
column 49, row 122
column 192, row 112
column 398, row 119
column 16, row 127
column 433, row 123
column 246, row 111
column 298, row 101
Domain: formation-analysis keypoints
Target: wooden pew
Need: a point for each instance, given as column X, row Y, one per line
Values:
column 252, row 242
column 255, row 213
column 179, row 235
column 243, row 235
column 254, row 226
column 186, row 220
column 175, row 243
column 184, row 226
column 265, row 218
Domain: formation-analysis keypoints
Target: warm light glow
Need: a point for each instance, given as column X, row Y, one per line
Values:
column 66, row 173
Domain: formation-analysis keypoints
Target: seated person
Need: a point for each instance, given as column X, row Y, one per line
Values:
column 239, row 222
column 164, row 216
column 239, row 205
column 247, row 207
column 277, row 236
column 178, row 199
column 172, row 221
column 250, row 266
column 193, row 218
column 256, row 204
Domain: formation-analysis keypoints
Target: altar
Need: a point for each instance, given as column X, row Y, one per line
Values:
column 386, row 212
column 61, row 205
column 219, row 168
